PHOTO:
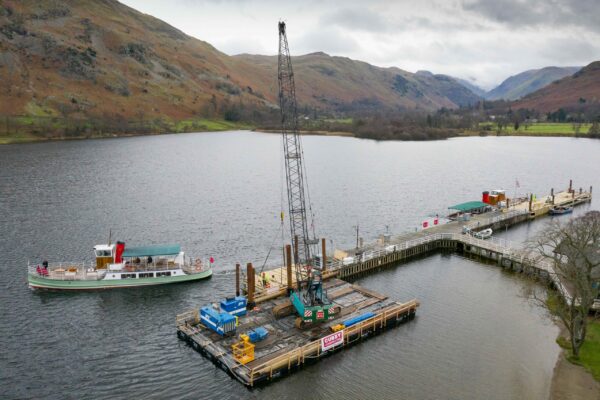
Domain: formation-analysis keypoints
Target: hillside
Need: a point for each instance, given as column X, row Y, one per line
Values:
column 581, row 91
column 103, row 61
column 520, row 85
column 340, row 83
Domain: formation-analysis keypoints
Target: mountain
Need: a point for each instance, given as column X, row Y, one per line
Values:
column 527, row 82
column 100, row 59
column 580, row 91
column 472, row 87
column 341, row 83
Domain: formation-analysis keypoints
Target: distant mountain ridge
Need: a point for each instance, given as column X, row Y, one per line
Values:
column 472, row 87
column 578, row 92
column 341, row 83
column 517, row 86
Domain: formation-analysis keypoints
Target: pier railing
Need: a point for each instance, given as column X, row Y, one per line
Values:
column 497, row 218
column 312, row 350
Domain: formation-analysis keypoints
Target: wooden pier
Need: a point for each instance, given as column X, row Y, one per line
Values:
column 289, row 348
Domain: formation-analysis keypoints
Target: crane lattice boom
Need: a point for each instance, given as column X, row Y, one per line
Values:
column 309, row 299
column 292, row 148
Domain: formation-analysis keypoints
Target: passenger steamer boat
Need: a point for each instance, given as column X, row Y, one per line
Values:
column 117, row 267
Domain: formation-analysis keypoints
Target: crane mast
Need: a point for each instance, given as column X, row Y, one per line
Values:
column 292, row 148
column 309, row 299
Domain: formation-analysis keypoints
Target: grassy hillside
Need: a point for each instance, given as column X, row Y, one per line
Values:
column 103, row 62
column 519, row 85
column 581, row 91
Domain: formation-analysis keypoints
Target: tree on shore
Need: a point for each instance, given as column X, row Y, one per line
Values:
column 573, row 248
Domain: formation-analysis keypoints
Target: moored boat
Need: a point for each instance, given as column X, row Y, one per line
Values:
column 483, row 234
column 558, row 210
column 118, row 267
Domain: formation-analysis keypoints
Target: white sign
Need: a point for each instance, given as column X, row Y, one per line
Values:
column 331, row 341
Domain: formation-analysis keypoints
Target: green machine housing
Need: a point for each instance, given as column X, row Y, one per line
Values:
column 312, row 313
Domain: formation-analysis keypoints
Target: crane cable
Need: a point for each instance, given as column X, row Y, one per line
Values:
column 281, row 213
column 272, row 246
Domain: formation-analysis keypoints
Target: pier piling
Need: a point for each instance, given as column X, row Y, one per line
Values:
column 237, row 279
column 324, row 256
column 288, row 263
column 250, row 275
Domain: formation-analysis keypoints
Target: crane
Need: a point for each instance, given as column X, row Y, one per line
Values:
column 308, row 297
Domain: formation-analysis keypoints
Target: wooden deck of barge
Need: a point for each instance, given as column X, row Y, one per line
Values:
column 287, row 348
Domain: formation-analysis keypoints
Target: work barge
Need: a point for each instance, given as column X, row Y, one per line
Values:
column 288, row 347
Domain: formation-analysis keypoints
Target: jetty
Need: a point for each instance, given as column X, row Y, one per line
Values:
column 289, row 347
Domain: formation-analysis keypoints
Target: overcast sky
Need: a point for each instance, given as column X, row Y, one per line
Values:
column 483, row 41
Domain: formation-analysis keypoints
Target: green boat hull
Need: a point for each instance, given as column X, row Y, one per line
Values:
column 39, row 282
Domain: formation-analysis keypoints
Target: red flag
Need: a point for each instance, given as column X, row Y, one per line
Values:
column 212, row 260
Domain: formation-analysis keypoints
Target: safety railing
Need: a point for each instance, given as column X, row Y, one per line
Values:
column 496, row 219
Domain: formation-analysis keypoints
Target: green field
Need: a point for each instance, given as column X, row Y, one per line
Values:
column 537, row 129
column 339, row 120
column 31, row 129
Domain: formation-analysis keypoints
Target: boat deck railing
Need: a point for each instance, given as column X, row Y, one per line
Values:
column 87, row 270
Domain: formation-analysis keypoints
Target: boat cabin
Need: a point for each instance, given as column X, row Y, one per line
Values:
column 116, row 257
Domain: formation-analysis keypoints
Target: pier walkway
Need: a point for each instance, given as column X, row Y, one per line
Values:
column 395, row 250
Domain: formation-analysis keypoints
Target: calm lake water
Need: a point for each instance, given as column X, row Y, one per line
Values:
column 220, row 194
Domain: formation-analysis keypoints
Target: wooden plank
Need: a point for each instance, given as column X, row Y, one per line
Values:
column 369, row 293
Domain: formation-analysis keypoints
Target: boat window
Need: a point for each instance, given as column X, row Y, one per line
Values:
column 146, row 275
column 128, row 276
column 166, row 273
column 103, row 253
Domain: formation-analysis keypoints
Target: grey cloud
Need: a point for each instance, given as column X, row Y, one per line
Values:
column 328, row 40
column 535, row 13
column 574, row 50
column 356, row 19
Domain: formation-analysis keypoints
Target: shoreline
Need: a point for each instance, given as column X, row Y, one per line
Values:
column 34, row 139
column 310, row 133
column 570, row 381
column 8, row 140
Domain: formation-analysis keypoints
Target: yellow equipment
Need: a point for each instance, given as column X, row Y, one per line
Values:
column 243, row 351
column 337, row 327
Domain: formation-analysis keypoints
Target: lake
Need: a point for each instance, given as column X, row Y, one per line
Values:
column 220, row 195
